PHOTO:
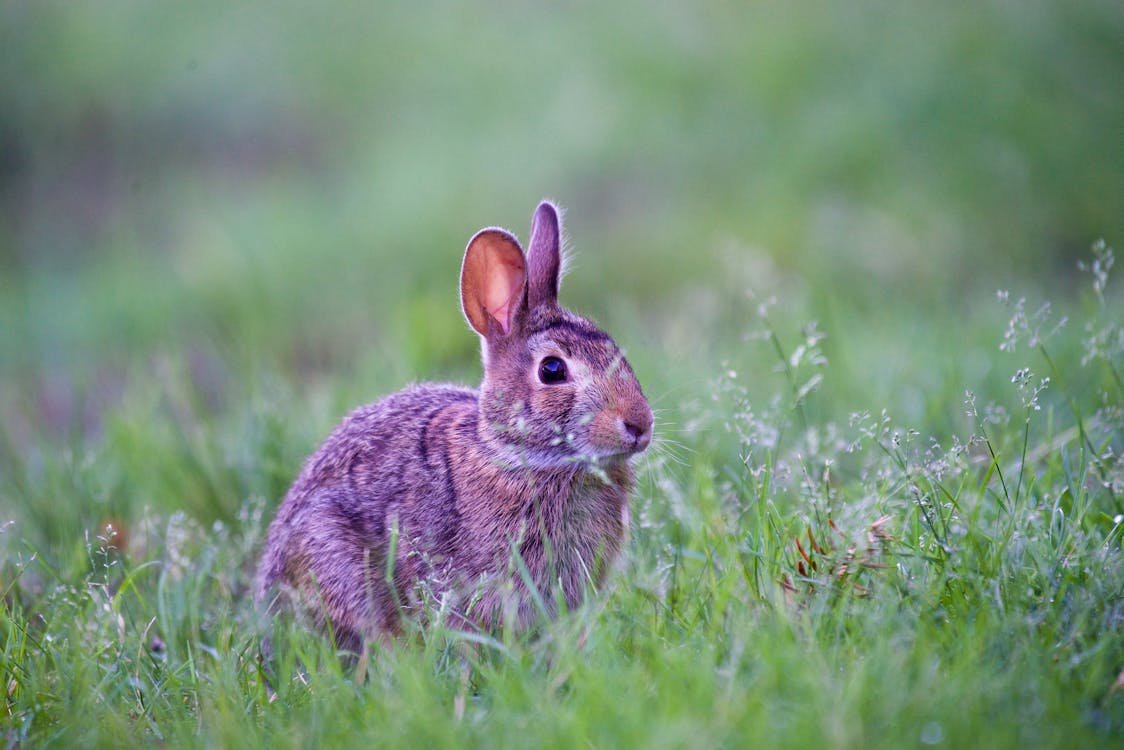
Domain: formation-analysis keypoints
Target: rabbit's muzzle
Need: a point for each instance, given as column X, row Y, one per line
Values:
column 622, row 431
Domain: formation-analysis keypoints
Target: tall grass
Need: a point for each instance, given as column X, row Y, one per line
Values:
column 790, row 581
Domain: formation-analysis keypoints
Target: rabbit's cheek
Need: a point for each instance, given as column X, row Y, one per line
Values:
column 605, row 432
column 554, row 403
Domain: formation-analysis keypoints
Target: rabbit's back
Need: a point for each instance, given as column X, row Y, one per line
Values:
column 382, row 478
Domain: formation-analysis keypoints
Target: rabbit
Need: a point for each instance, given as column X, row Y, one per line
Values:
column 506, row 501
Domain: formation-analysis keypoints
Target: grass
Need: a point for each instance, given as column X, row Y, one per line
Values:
column 885, row 507
column 789, row 582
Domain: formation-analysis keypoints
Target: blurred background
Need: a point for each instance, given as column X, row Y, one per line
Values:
column 252, row 214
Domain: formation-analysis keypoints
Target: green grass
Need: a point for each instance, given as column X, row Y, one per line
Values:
column 789, row 582
column 867, row 520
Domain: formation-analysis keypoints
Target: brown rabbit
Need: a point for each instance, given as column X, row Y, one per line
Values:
column 454, row 487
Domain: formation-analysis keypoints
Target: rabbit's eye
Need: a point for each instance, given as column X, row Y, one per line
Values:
column 552, row 370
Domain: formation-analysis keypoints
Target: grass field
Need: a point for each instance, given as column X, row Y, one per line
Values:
column 860, row 258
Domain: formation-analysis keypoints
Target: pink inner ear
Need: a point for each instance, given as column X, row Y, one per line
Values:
column 504, row 284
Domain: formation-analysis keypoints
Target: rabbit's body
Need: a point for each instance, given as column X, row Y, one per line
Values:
column 459, row 486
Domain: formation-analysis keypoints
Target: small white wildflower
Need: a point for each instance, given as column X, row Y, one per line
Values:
column 763, row 307
column 1102, row 262
column 1027, row 390
column 1015, row 326
column 995, row 414
column 1105, row 343
column 970, row 404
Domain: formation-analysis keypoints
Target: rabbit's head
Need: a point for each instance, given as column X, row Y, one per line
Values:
column 556, row 388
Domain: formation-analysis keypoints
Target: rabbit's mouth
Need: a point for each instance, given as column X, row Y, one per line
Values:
column 574, row 454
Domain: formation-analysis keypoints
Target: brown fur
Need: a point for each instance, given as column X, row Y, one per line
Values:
column 462, row 484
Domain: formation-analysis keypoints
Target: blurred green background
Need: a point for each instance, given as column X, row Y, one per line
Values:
column 254, row 212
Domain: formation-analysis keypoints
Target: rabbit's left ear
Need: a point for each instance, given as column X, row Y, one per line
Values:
column 493, row 277
column 544, row 256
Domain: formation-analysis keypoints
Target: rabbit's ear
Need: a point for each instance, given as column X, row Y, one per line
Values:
column 493, row 277
column 544, row 256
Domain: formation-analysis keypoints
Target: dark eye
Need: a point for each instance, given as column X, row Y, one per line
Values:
column 552, row 370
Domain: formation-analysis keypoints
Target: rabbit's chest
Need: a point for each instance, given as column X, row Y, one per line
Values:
column 586, row 514
column 576, row 532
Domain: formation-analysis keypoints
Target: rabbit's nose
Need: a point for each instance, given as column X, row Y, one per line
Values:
column 638, row 427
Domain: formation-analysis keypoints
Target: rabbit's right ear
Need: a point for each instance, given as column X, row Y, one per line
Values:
column 493, row 280
column 544, row 255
